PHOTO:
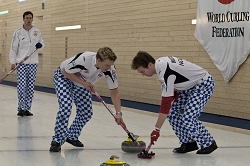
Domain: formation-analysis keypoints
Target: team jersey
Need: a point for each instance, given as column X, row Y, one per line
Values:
column 23, row 44
column 177, row 74
column 83, row 63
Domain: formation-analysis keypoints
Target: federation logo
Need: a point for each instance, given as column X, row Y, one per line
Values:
column 225, row 2
column 35, row 33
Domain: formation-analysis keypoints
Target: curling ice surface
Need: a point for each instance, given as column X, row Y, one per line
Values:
column 25, row 141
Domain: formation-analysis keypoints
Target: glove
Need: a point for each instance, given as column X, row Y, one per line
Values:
column 155, row 135
column 38, row 45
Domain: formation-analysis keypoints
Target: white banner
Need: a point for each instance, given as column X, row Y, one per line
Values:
column 223, row 28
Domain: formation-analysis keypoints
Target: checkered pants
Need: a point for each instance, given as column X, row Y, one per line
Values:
column 186, row 110
column 67, row 91
column 26, row 77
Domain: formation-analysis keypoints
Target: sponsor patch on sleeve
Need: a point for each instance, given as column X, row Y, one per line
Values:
column 163, row 85
column 74, row 63
column 114, row 74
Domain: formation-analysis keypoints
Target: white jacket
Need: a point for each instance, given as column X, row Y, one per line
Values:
column 23, row 44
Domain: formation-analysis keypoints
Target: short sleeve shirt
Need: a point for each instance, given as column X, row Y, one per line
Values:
column 176, row 74
column 83, row 63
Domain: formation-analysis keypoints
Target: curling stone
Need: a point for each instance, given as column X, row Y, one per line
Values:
column 130, row 147
column 113, row 162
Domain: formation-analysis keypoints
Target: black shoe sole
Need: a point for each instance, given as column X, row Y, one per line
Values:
column 186, row 147
column 72, row 143
column 55, row 147
column 21, row 113
column 190, row 150
column 28, row 114
column 24, row 113
column 55, row 150
column 208, row 150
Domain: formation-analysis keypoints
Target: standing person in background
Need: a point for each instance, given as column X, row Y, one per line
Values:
column 186, row 88
column 26, row 40
column 70, row 86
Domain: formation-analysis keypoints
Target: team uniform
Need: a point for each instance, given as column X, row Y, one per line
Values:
column 194, row 86
column 67, row 90
column 23, row 44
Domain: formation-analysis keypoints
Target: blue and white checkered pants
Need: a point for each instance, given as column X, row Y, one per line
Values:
column 26, row 77
column 67, row 91
column 186, row 110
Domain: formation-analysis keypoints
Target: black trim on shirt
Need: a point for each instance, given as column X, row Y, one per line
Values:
column 77, row 56
column 179, row 78
column 108, row 73
column 78, row 67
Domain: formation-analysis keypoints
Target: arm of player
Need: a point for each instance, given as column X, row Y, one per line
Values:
column 115, row 97
column 13, row 50
column 166, row 104
column 75, row 78
column 42, row 42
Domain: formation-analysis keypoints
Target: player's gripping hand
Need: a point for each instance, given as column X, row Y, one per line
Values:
column 155, row 135
column 89, row 86
column 119, row 120
column 12, row 67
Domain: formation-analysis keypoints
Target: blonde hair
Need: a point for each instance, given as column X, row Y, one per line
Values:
column 106, row 53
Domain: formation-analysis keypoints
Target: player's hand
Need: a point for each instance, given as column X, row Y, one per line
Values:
column 38, row 45
column 12, row 66
column 119, row 120
column 88, row 86
column 155, row 135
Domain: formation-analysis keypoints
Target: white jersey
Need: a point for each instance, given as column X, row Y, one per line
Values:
column 177, row 74
column 83, row 63
column 23, row 44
